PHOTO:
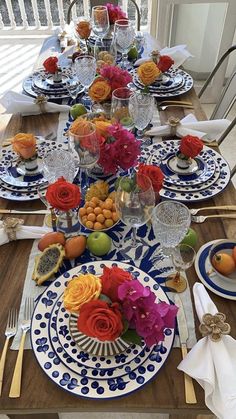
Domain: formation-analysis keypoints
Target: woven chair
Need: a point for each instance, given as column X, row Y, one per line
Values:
column 101, row 2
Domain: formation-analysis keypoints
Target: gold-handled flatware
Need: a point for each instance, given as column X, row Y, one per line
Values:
column 190, row 396
column 201, row 218
column 10, row 331
column 15, row 389
column 219, row 207
column 9, row 211
column 177, row 105
column 173, row 102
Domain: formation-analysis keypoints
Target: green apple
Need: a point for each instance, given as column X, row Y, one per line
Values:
column 133, row 53
column 126, row 121
column 99, row 243
column 77, row 110
column 191, row 238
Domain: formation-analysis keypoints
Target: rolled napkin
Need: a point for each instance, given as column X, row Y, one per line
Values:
column 26, row 105
column 13, row 229
column 206, row 130
column 179, row 54
column 212, row 361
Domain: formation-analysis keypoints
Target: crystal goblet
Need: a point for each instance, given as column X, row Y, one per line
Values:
column 183, row 257
column 141, row 108
column 124, row 37
column 86, row 71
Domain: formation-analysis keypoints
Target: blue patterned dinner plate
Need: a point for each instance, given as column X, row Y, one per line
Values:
column 225, row 289
column 87, row 375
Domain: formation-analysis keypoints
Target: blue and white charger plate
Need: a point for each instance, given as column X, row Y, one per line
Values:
column 87, row 381
column 213, row 282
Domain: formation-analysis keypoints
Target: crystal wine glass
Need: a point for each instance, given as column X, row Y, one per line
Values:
column 141, row 108
column 183, row 257
column 100, row 24
column 87, row 148
column 120, row 107
column 86, row 71
column 59, row 163
column 171, row 221
column 82, row 29
column 135, row 200
column 124, row 37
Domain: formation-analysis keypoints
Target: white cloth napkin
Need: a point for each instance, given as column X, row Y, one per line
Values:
column 179, row 54
column 207, row 130
column 19, row 103
column 23, row 232
column 213, row 364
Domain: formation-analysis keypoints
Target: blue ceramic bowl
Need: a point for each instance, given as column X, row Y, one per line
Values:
column 222, row 246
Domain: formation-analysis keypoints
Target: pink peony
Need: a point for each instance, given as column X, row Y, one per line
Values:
column 115, row 13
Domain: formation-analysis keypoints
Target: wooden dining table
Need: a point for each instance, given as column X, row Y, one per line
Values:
column 40, row 397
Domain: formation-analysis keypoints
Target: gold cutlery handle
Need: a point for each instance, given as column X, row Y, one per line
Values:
column 225, row 207
column 177, row 105
column 221, row 216
column 16, row 380
column 166, row 102
column 2, row 362
column 190, row 396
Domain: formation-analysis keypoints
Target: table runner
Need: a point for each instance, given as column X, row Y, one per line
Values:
column 121, row 250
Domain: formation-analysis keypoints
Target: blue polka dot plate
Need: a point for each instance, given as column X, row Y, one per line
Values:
column 74, row 369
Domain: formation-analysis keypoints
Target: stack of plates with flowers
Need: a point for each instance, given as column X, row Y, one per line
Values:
column 103, row 329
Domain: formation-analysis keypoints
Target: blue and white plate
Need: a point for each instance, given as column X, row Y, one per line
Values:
column 210, row 279
column 99, row 380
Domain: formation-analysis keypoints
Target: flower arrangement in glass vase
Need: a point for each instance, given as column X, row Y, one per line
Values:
column 116, row 305
column 52, row 67
column 152, row 70
column 189, row 148
column 64, row 197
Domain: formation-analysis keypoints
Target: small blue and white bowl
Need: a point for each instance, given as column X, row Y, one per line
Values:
column 222, row 246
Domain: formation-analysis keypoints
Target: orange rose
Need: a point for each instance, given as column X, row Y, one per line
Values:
column 83, row 29
column 80, row 127
column 100, row 90
column 148, row 72
column 102, row 126
column 80, row 290
column 24, row 145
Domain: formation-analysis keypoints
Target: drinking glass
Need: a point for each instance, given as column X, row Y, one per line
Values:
column 86, row 71
column 171, row 221
column 135, row 200
column 87, row 149
column 124, row 37
column 183, row 257
column 59, row 163
column 141, row 107
column 82, row 29
column 73, row 88
column 120, row 107
column 100, row 23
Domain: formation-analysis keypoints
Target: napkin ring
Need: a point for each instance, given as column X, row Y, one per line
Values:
column 11, row 225
column 173, row 122
column 41, row 100
column 214, row 326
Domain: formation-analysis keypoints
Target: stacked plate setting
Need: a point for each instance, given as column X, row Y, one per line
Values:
column 15, row 183
column 208, row 175
column 42, row 83
column 173, row 82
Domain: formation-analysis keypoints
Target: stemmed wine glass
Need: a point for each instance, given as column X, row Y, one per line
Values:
column 135, row 200
column 86, row 71
column 87, row 148
column 100, row 24
column 183, row 257
column 120, row 107
column 141, row 107
column 124, row 37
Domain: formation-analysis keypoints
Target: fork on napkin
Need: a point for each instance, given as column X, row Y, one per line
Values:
column 213, row 363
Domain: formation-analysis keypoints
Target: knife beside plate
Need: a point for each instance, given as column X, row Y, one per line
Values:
column 12, row 211
column 190, row 396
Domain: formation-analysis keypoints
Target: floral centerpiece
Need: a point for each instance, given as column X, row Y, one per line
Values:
column 64, row 197
column 110, row 78
column 190, row 147
column 52, row 67
column 117, row 305
column 115, row 13
column 25, row 146
column 150, row 71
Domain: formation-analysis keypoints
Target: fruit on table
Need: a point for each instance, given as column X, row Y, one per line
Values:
column 223, row 263
column 234, row 254
column 126, row 121
column 191, row 238
column 99, row 243
column 51, row 238
column 133, row 53
column 97, row 214
column 75, row 247
column 48, row 263
column 99, row 189
column 77, row 110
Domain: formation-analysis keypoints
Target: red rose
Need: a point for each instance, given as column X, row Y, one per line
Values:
column 190, row 146
column 100, row 320
column 164, row 63
column 154, row 173
column 50, row 64
column 63, row 195
column 111, row 279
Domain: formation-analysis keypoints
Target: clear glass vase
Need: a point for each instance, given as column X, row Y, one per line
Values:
column 68, row 222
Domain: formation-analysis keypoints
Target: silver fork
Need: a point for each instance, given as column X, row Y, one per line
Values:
column 15, row 389
column 202, row 218
column 224, row 207
column 10, row 331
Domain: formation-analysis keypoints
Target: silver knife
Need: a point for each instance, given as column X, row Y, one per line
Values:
column 9, row 211
column 190, row 396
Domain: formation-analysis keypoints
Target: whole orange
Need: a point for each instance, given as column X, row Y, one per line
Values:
column 223, row 263
column 75, row 246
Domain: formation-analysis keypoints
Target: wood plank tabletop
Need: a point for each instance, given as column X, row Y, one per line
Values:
column 165, row 393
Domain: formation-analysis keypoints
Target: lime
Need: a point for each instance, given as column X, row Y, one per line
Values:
column 126, row 121
column 133, row 53
column 77, row 110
